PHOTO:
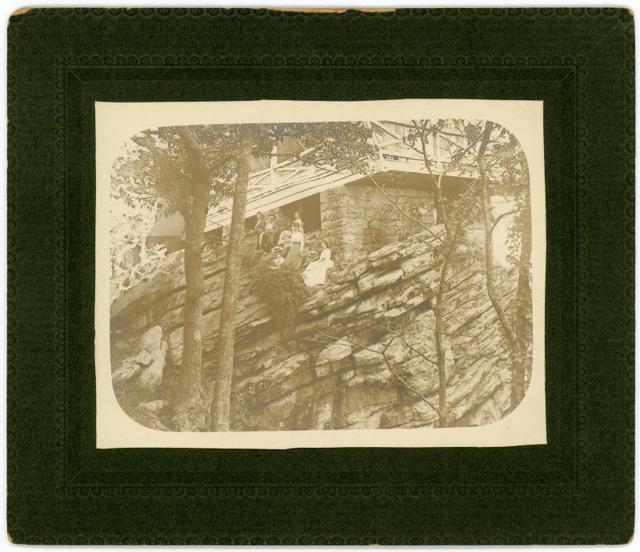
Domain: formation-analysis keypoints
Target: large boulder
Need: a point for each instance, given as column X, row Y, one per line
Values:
column 138, row 371
column 153, row 349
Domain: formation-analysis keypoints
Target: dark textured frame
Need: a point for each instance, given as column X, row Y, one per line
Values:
column 576, row 489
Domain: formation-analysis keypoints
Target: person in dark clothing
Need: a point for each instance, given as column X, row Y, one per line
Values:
column 260, row 228
column 271, row 233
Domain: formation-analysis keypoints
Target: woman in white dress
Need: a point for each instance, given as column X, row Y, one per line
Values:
column 294, row 257
column 316, row 271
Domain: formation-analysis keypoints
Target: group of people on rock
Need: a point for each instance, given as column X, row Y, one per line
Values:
column 293, row 256
column 268, row 232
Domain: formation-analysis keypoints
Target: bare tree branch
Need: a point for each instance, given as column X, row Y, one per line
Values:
column 395, row 203
column 389, row 366
column 497, row 219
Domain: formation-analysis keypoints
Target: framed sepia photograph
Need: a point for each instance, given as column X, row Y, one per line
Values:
column 308, row 276
column 355, row 277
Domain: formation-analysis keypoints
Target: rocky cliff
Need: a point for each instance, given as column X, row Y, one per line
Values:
column 360, row 353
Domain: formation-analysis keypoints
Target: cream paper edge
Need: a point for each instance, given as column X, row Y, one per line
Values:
column 116, row 122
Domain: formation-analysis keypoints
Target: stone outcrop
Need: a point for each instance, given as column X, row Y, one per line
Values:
column 137, row 373
column 360, row 353
column 358, row 217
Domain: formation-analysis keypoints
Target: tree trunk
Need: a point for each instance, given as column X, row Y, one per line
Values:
column 190, row 412
column 439, row 309
column 523, row 323
column 220, row 408
column 438, row 203
column 487, row 214
column 517, row 371
column 441, row 212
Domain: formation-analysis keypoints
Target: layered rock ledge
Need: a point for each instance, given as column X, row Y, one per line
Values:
column 360, row 354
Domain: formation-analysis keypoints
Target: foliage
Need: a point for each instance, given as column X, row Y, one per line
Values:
column 131, row 224
column 344, row 146
column 155, row 163
column 283, row 290
column 505, row 166
column 153, row 167
column 156, row 166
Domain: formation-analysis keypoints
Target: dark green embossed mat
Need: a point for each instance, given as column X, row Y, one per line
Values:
column 576, row 489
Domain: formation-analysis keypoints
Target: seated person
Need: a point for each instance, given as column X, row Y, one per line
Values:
column 316, row 272
column 309, row 257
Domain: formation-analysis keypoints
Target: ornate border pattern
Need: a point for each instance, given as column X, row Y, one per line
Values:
column 74, row 488
column 67, row 62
